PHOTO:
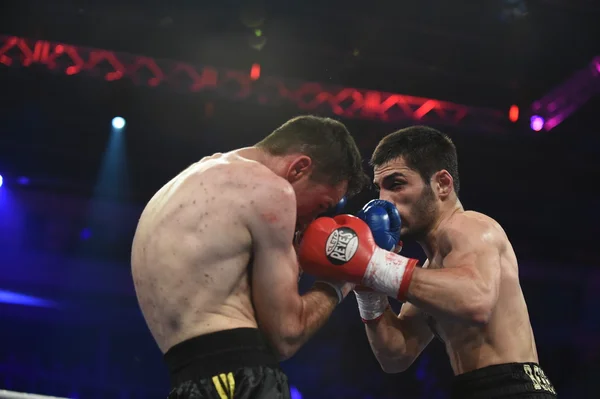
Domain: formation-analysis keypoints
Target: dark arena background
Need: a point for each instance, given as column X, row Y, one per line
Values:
column 515, row 83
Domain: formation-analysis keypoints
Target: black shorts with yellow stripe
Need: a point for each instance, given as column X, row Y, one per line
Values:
column 229, row 364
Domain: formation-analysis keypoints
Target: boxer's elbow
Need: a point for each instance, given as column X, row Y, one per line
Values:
column 392, row 359
column 394, row 368
column 394, row 365
column 289, row 341
column 390, row 350
column 479, row 308
column 285, row 351
column 284, row 347
column 481, row 316
column 474, row 301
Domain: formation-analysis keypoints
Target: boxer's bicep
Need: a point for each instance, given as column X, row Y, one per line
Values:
column 272, row 222
column 465, row 283
column 275, row 291
column 475, row 256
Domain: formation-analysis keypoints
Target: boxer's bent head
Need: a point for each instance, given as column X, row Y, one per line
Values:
column 321, row 160
column 416, row 168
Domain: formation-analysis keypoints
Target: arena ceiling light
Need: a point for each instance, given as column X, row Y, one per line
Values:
column 118, row 122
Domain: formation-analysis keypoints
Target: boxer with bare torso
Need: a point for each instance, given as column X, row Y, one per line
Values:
column 214, row 262
column 467, row 293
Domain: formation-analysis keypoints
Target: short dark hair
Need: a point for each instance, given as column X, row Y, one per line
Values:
column 423, row 148
column 327, row 142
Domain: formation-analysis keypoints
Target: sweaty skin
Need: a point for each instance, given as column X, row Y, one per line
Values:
column 468, row 291
column 503, row 335
column 214, row 251
column 190, row 254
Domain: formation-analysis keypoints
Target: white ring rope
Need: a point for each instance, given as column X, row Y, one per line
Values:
column 21, row 395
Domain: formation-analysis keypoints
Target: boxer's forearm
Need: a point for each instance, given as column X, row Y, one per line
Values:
column 388, row 343
column 315, row 309
column 456, row 292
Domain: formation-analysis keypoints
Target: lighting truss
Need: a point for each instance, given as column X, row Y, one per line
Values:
column 346, row 102
column 569, row 96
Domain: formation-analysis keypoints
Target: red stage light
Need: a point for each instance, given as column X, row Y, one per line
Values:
column 343, row 101
column 513, row 113
column 255, row 72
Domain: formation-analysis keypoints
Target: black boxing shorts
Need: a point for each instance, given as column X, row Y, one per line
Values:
column 503, row 381
column 237, row 363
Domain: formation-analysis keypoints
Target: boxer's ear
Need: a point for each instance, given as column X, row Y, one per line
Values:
column 442, row 183
column 300, row 167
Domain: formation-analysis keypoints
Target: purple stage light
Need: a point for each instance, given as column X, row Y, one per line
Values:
column 22, row 180
column 1, row 180
column 85, row 234
column 295, row 393
column 537, row 123
column 14, row 298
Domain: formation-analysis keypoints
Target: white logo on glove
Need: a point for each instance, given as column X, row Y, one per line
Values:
column 341, row 245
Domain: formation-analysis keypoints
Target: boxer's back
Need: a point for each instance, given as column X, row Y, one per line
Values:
column 191, row 253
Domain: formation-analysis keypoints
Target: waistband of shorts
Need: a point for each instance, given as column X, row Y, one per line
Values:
column 502, row 380
column 218, row 352
column 491, row 371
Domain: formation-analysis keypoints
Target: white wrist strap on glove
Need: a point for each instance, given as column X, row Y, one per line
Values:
column 371, row 305
column 336, row 286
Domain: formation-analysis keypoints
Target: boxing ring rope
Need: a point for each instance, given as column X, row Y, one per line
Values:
column 21, row 395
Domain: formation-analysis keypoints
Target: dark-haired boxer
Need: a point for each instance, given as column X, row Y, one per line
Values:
column 467, row 292
column 215, row 267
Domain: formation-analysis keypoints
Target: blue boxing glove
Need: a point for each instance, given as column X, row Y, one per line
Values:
column 384, row 220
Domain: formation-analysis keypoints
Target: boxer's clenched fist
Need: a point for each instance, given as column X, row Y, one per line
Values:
column 383, row 219
column 343, row 248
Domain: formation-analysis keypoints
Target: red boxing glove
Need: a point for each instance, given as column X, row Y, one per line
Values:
column 343, row 248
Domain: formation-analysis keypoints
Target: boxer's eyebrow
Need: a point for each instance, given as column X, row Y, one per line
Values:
column 390, row 177
column 395, row 174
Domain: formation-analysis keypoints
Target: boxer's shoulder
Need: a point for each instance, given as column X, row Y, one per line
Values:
column 272, row 201
column 262, row 197
column 254, row 191
column 230, row 172
column 470, row 228
column 474, row 223
column 228, row 166
column 261, row 184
